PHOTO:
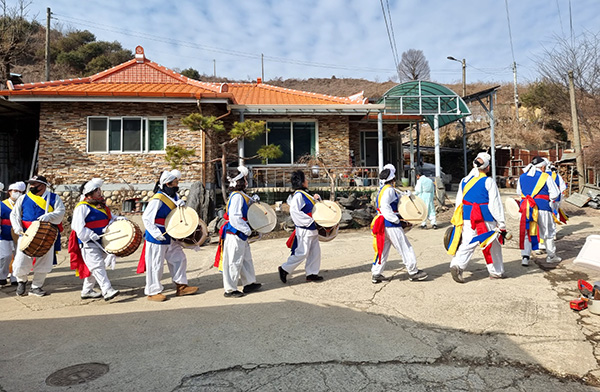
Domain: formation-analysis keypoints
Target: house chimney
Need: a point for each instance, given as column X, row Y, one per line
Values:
column 139, row 54
column 258, row 80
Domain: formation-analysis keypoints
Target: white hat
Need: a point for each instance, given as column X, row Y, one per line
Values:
column 485, row 158
column 243, row 173
column 1, row 186
column 17, row 186
column 169, row 176
column 536, row 163
column 391, row 176
column 91, row 186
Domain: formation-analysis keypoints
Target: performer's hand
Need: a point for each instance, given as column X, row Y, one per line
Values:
column 180, row 203
column 120, row 218
column 94, row 237
column 255, row 198
column 408, row 193
column 44, row 218
column 161, row 238
column 316, row 196
column 502, row 236
column 18, row 232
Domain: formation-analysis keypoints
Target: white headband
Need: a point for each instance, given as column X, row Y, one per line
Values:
column 18, row 186
column 90, row 186
column 243, row 173
column 169, row 176
column 391, row 176
column 532, row 168
column 485, row 157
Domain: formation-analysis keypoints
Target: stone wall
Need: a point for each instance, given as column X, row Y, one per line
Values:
column 63, row 140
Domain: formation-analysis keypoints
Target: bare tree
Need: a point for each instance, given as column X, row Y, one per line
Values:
column 16, row 35
column 413, row 66
column 580, row 55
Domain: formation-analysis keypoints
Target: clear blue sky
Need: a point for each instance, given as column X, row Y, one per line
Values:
column 320, row 38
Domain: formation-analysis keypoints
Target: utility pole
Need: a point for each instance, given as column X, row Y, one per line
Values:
column 48, row 14
column 516, row 94
column 215, row 68
column 262, row 62
column 464, row 69
column 576, row 137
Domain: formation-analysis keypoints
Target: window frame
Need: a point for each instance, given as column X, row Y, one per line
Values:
column 291, row 121
column 144, row 134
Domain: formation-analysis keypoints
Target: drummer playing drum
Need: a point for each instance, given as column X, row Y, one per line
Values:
column 38, row 204
column 158, row 245
column 304, row 241
column 236, row 261
column 388, row 231
column 91, row 216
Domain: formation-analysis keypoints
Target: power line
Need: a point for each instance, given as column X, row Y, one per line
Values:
column 387, row 28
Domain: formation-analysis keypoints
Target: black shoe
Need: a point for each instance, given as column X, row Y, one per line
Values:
column 314, row 278
column 434, row 227
column 456, row 273
column 37, row 291
column 15, row 283
column 233, row 294
column 252, row 287
column 419, row 275
column 3, row 282
column 375, row 279
column 283, row 275
column 21, row 288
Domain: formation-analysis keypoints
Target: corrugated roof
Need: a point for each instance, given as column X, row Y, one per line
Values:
column 141, row 77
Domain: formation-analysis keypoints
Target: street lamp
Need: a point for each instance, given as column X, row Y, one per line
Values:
column 464, row 73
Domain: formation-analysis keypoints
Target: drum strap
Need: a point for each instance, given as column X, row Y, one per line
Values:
column 165, row 199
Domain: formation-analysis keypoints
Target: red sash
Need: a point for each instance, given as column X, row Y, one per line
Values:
column 76, row 258
column 478, row 224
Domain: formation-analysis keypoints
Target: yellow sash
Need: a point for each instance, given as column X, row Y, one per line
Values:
column 385, row 187
column 246, row 199
column 308, row 196
column 7, row 203
column 538, row 185
column 40, row 201
column 92, row 206
column 165, row 199
column 457, row 217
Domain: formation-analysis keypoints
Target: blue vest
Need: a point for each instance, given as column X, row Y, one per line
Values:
column 95, row 216
column 393, row 205
column 159, row 221
column 477, row 194
column 309, row 204
column 528, row 184
column 556, row 179
column 5, row 216
column 228, row 227
column 31, row 211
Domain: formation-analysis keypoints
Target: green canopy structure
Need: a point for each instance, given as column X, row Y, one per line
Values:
column 426, row 99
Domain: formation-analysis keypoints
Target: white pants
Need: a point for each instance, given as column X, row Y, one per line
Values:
column 465, row 250
column 94, row 257
column 547, row 228
column 176, row 260
column 395, row 236
column 23, row 264
column 237, row 263
column 308, row 248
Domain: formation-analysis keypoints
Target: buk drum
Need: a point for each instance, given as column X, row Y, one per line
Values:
column 184, row 225
column 38, row 239
column 198, row 237
column 122, row 238
column 448, row 234
column 512, row 207
column 262, row 217
column 412, row 209
column 327, row 215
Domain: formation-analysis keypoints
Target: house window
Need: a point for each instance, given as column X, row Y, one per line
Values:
column 126, row 134
column 294, row 138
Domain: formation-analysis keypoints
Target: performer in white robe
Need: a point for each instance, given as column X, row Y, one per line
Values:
column 425, row 189
column 237, row 261
column 388, row 230
column 38, row 204
column 7, row 245
column 159, row 246
column 304, row 241
column 91, row 217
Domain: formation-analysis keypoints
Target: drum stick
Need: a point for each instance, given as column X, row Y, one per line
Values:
column 112, row 232
column 414, row 204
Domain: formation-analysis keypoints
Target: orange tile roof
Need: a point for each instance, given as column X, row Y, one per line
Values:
column 141, row 77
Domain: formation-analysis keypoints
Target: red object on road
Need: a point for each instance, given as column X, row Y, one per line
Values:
column 579, row 304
